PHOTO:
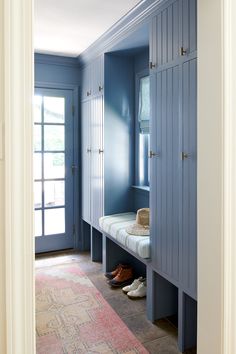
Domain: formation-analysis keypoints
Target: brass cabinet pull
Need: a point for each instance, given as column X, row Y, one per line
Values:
column 184, row 156
column 100, row 151
column 152, row 65
column 153, row 154
column 183, row 51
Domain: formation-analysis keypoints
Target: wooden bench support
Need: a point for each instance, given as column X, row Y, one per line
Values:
column 187, row 322
column 162, row 297
column 96, row 245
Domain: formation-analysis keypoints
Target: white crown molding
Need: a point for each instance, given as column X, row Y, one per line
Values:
column 19, row 241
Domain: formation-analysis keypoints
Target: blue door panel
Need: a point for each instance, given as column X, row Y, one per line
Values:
column 189, row 25
column 189, row 179
column 167, row 35
column 52, row 242
column 166, row 216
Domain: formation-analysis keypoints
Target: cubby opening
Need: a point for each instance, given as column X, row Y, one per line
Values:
column 125, row 64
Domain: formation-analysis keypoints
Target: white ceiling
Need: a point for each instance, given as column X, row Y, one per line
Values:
column 68, row 27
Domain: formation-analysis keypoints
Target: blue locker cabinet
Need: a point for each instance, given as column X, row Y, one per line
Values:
column 173, row 193
column 92, row 118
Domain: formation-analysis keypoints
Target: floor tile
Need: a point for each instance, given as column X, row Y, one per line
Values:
column 146, row 331
column 125, row 306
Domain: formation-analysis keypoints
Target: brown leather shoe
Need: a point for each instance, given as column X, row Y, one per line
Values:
column 111, row 275
column 124, row 277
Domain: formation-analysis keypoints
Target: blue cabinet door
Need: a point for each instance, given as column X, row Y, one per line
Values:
column 97, row 160
column 86, row 160
column 188, row 25
column 165, row 36
column 165, row 170
column 189, row 178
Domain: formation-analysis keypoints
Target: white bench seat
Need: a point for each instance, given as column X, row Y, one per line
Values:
column 115, row 226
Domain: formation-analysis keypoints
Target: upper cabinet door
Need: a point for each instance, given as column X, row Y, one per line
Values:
column 97, row 76
column 188, row 26
column 165, row 36
column 86, row 82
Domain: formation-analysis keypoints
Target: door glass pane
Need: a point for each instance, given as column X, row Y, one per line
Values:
column 37, row 137
column 38, row 223
column 54, row 137
column 37, row 109
column 54, row 165
column 37, row 194
column 54, row 109
column 54, row 193
column 37, row 166
column 54, row 221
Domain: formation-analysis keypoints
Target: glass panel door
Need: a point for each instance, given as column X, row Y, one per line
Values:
column 53, row 177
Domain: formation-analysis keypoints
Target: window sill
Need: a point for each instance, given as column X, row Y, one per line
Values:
column 142, row 188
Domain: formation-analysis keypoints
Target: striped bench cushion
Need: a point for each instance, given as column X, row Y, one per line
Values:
column 115, row 225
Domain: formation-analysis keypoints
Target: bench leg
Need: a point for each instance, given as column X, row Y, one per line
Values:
column 162, row 296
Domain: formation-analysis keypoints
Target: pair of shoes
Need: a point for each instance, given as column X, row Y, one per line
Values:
column 121, row 276
column 137, row 289
column 111, row 275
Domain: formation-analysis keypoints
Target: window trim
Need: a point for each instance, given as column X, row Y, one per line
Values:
column 138, row 76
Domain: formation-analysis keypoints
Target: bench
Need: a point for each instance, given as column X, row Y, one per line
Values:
column 115, row 226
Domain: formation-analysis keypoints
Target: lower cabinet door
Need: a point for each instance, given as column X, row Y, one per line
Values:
column 165, row 172
column 188, row 225
column 97, row 176
column 86, row 161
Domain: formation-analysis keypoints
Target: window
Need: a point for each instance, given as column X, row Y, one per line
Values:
column 142, row 129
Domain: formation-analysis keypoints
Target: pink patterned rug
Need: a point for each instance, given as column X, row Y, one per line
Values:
column 72, row 317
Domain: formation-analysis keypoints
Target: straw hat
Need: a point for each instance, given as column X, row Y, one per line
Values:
column 141, row 227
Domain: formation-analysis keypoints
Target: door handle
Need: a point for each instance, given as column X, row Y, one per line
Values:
column 73, row 169
column 153, row 154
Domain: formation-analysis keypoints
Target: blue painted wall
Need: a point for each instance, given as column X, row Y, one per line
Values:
column 120, row 71
column 118, row 133
column 56, row 69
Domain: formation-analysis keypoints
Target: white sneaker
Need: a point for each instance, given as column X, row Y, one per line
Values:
column 141, row 291
column 134, row 285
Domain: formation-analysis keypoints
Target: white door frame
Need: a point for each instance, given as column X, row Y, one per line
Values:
column 216, row 178
column 17, row 327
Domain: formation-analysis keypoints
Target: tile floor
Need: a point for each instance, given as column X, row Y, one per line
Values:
column 157, row 338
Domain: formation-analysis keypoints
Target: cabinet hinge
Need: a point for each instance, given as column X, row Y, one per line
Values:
column 73, row 229
column 73, row 110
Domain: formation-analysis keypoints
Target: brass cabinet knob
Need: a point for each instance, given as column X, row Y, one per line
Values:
column 100, row 88
column 89, row 93
column 183, row 51
column 100, row 151
column 184, row 156
column 152, row 65
column 89, row 150
column 153, row 154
